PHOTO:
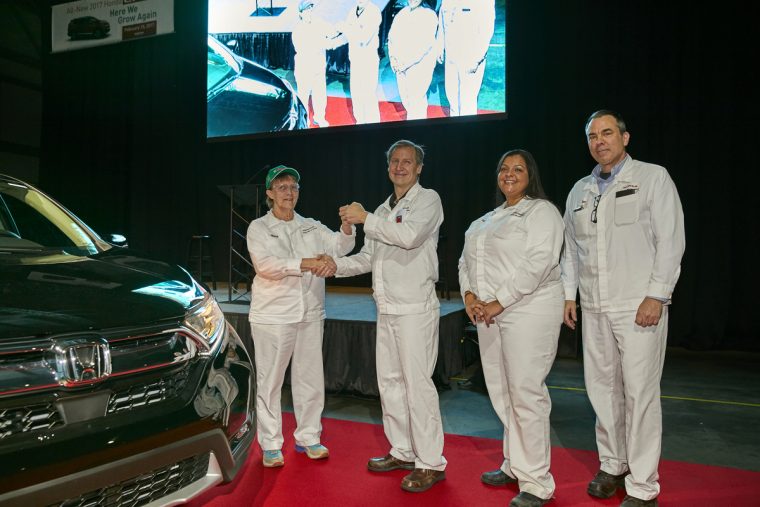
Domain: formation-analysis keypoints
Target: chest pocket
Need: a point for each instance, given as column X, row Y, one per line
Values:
column 626, row 206
column 581, row 216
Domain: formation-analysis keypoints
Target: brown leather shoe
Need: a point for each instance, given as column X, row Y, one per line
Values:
column 422, row 479
column 388, row 463
column 604, row 485
column 496, row 478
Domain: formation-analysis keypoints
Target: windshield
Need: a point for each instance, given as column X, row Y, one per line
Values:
column 32, row 222
column 222, row 65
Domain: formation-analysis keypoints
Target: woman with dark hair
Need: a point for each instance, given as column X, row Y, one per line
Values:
column 510, row 281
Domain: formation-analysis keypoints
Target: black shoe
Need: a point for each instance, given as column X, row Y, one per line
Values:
column 496, row 478
column 631, row 501
column 604, row 485
column 527, row 500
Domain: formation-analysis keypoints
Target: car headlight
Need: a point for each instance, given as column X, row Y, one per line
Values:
column 206, row 321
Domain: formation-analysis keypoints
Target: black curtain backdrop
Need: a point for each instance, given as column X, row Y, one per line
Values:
column 124, row 140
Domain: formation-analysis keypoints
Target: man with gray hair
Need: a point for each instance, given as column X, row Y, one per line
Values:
column 624, row 239
column 401, row 238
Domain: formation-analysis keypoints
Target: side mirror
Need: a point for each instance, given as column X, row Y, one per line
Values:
column 118, row 240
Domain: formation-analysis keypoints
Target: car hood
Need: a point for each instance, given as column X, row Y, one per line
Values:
column 43, row 294
column 253, row 102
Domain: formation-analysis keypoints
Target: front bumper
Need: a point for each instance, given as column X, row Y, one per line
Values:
column 193, row 435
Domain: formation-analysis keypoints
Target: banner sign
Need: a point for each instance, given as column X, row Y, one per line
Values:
column 87, row 23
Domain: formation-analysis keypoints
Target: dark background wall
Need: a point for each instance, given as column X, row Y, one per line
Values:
column 123, row 139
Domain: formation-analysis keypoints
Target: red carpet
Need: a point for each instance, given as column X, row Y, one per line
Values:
column 344, row 481
column 339, row 112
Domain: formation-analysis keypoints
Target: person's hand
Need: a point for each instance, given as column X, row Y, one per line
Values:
column 473, row 307
column 491, row 310
column 394, row 65
column 353, row 213
column 649, row 312
column 345, row 226
column 570, row 314
column 325, row 266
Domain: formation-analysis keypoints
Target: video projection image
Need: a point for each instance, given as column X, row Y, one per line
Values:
column 285, row 65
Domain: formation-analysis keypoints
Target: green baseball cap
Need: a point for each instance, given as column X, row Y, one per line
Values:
column 279, row 171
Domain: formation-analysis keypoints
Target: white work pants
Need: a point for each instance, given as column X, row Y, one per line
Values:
column 363, row 82
column 407, row 349
column 623, row 366
column 274, row 346
column 311, row 81
column 413, row 87
column 462, row 88
column 517, row 353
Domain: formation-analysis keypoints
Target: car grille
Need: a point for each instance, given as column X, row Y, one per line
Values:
column 43, row 416
column 146, row 487
column 40, row 416
column 142, row 395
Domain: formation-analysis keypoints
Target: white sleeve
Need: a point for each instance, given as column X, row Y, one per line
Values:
column 464, row 276
column 356, row 264
column 425, row 218
column 569, row 261
column 267, row 265
column 669, row 237
column 542, row 248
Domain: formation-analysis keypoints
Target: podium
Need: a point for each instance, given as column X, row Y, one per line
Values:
column 245, row 205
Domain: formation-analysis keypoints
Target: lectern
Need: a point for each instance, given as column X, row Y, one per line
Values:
column 245, row 203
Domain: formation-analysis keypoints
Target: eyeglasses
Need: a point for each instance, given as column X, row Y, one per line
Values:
column 284, row 188
column 596, row 205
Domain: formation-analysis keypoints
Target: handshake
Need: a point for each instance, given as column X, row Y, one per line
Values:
column 352, row 214
column 322, row 265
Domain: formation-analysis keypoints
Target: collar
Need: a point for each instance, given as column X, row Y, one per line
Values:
column 519, row 207
column 409, row 195
column 615, row 170
column 273, row 221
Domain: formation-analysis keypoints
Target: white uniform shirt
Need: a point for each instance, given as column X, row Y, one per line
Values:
column 310, row 41
column 635, row 248
column 362, row 31
column 400, row 249
column 412, row 36
column 512, row 254
column 466, row 28
column 281, row 293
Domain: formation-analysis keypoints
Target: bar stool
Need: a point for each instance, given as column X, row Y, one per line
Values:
column 200, row 259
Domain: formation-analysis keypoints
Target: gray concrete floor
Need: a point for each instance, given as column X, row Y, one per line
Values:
column 710, row 403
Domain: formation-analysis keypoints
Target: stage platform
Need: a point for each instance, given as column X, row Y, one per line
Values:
column 349, row 340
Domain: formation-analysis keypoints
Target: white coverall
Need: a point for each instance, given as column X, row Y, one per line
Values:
column 400, row 250
column 633, row 251
column 361, row 30
column 412, row 52
column 310, row 40
column 287, row 320
column 464, row 33
column 512, row 255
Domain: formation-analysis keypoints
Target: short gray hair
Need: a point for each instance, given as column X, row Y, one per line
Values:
column 606, row 112
column 419, row 153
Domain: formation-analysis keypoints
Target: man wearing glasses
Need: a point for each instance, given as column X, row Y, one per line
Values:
column 624, row 239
